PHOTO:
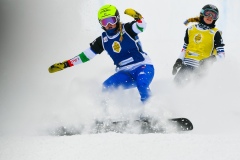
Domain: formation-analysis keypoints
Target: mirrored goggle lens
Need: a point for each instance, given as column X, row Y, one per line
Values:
column 210, row 13
column 111, row 20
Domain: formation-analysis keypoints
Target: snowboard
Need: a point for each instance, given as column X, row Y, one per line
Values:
column 145, row 126
column 139, row 126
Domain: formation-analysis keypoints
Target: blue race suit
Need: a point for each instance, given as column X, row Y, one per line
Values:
column 134, row 67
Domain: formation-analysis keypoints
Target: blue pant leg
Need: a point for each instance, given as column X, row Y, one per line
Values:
column 119, row 79
column 144, row 76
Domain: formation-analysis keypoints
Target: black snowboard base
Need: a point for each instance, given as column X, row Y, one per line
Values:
column 145, row 126
column 141, row 126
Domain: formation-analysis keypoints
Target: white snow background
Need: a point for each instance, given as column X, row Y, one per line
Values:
column 36, row 34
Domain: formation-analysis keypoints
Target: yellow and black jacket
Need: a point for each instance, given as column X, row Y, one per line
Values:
column 201, row 42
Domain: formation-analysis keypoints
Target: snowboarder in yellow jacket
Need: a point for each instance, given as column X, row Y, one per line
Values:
column 203, row 46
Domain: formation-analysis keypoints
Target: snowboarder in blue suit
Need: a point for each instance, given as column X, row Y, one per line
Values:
column 120, row 40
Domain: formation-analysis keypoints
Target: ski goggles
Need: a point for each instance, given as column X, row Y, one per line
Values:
column 210, row 13
column 109, row 20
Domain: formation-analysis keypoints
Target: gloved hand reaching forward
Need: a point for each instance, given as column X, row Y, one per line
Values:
column 58, row 67
column 131, row 12
column 176, row 66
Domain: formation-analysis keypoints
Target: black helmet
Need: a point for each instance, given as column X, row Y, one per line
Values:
column 214, row 13
column 210, row 7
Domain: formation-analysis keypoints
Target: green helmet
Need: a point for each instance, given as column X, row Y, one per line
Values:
column 108, row 11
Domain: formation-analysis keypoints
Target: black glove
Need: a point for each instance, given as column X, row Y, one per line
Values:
column 208, row 61
column 178, row 64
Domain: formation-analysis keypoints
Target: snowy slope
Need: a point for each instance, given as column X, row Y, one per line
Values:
column 36, row 34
